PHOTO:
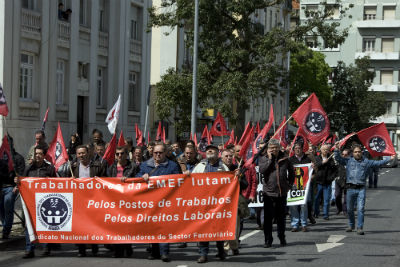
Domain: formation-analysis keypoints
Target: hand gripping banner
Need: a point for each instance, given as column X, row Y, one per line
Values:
column 302, row 178
column 167, row 209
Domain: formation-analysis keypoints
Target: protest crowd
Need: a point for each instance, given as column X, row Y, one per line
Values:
column 340, row 170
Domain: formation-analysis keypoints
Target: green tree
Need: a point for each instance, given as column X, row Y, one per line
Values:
column 308, row 74
column 353, row 106
column 238, row 61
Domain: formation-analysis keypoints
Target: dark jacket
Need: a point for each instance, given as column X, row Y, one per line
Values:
column 167, row 167
column 130, row 170
column 19, row 168
column 3, row 172
column 96, row 169
column 278, row 175
column 326, row 172
column 46, row 170
column 304, row 159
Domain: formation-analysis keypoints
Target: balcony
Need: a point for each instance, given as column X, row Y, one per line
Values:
column 363, row 24
column 135, row 50
column 378, row 55
column 30, row 23
column 389, row 88
column 387, row 119
column 64, row 32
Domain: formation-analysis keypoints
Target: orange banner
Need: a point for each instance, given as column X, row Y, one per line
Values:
column 167, row 209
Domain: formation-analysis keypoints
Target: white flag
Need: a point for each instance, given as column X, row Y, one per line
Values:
column 113, row 115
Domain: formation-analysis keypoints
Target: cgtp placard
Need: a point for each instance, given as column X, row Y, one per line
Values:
column 170, row 208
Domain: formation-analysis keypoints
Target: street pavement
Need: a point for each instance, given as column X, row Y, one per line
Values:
column 326, row 244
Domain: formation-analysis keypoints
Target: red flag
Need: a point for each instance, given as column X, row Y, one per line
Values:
column 57, row 154
column 3, row 103
column 264, row 132
column 312, row 118
column 191, row 136
column 5, row 153
column 163, row 134
column 195, row 140
column 344, row 140
column 244, row 135
column 282, row 133
column 257, row 130
column 330, row 139
column 46, row 115
column 246, row 144
column 148, row 137
column 121, row 140
column 235, row 141
column 159, row 132
column 377, row 140
column 139, row 136
column 205, row 140
column 109, row 155
column 231, row 139
column 219, row 127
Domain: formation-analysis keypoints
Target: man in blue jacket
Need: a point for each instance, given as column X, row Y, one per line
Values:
column 155, row 166
column 357, row 168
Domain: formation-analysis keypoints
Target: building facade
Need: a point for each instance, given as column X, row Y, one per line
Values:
column 76, row 64
column 374, row 32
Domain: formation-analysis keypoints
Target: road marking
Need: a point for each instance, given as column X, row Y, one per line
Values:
column 330, row 243
column 181, row 266
column 249, row 234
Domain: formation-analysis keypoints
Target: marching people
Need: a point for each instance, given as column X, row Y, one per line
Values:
column 38, row 168
column 324, row 176
column 83, row 168
column 356, row 176
column 9, row 191
column 211, row 164
column 298, row 213
column 158, row 165
column 340, row 185
column 122, row 168
column 278, row 179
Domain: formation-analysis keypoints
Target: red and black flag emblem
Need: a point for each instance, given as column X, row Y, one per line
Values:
column 312, row 118
column 377, row 140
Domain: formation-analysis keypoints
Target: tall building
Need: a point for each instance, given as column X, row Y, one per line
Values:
column 76, row 63
column 374, row 32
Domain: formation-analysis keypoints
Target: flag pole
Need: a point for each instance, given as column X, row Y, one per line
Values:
column 283, row 125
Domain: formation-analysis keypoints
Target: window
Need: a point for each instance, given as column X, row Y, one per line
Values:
column 60, row 82
column 368, row 44
column 332, row 11
column 311, row 11
column 83, row 70
column 134, row 30
column 387, row 45
column 386, row 77
column 101, row 16
column 83, row 9
column 100, row 87
column 335, row 47
column 389, row 107
column 29, row 4
column 134, row 94
column 369, row 12
column 389, row 12
column 26, row 77
column 312, row 43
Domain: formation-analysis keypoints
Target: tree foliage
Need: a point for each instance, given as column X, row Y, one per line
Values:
column 308, row 74
column 238, row 61
column 353, row 106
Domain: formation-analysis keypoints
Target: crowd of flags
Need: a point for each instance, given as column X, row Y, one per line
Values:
column 312, row 120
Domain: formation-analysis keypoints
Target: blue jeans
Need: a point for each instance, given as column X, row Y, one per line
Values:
column 28, row 245
column 7, row 200
column 298, row 218
column 326, row 190
column 373, row 177
column 354, row 195
column 204, row 248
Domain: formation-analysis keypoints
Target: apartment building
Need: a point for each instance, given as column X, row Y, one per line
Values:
column 374, row 32
column 75, row 63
